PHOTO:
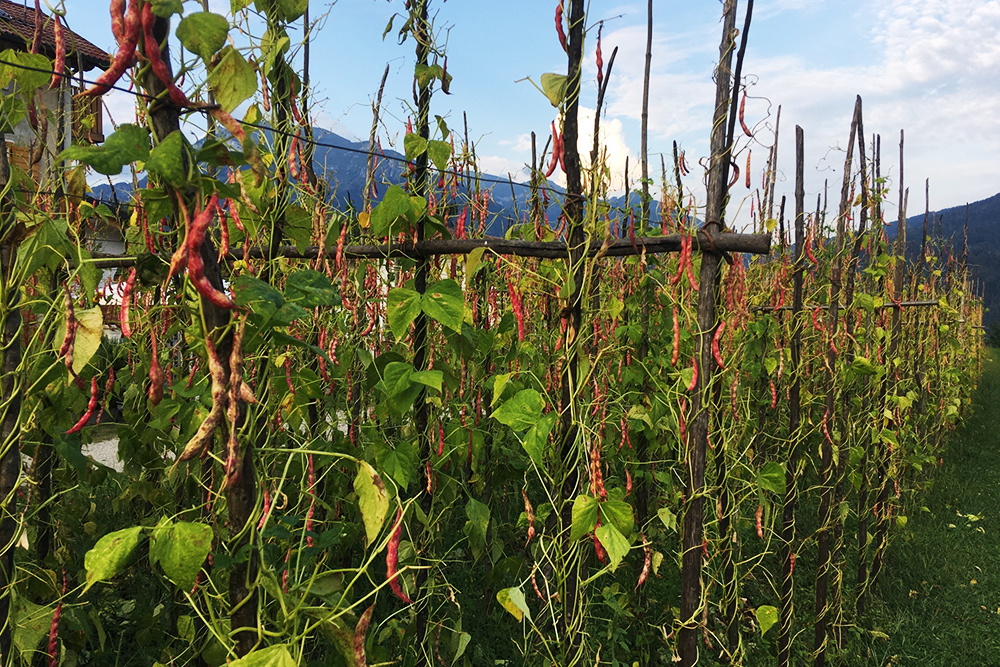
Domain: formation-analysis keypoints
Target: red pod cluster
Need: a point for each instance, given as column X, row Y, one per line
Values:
column 131, row 29
column 196, row 264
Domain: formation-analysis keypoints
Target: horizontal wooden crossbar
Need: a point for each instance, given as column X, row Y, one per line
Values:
column 748, row 243
column 901, row 304
column 756, row 244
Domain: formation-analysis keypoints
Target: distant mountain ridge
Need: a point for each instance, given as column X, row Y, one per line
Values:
column 345, row 164
column 984, row 243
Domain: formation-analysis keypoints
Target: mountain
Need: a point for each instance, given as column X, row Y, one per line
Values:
column 345, row 162
column 984, row 244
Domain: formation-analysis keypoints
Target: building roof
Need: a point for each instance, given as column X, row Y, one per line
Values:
column 17, row 27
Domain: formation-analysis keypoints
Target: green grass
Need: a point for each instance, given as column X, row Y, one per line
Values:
column 938, row 601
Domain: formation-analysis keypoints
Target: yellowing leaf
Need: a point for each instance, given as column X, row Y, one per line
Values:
column 272, row 656
column 89, row 329
column 372, row 499
column 512, row 599
column 110, row 554
column 472, row 263
column 766, row 617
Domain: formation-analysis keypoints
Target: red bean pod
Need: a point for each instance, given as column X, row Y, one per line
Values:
column 59, row 67
column 559, row 25
column 534, row 584
column 91, row 406
column 156, row 375
column 743, row 106
column 392, row 559
column 126, row 302
column 117, row 20
column 312, row 502
column 677, row 339
column 715, row 345
column 203, row 436
column 809, row 250
column 598, row 547
column 736, row 174
column 600, row 59
column 288, row 375
column 529, row 511
column 647, row 560
column 680, row 262
column 196, row 265
column 689, row 267
column 682, row 425
column 555, row 152
column 267, row 510
column 66, row 349
column 131, row 30
column 360, row 632
column 156, row 62
column 54, row 628
column 293, row 161
column 694, row 375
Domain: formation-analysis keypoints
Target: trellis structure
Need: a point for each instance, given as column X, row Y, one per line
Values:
column 268, row 545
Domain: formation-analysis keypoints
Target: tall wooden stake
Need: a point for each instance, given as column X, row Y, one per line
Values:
column 824, row 558
column 573, row 604
column 794, row 418
column 644, row 130
column 692, row 600
column 10, row 416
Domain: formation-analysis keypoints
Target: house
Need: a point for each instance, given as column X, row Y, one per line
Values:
column 70, row 119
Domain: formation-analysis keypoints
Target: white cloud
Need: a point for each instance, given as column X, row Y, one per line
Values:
column 502, row 166
column 933, row 72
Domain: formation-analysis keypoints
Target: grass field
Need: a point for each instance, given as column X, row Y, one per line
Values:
column 938, row 601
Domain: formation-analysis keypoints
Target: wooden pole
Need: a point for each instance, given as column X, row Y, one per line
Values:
column 827, row 481
column 692, row 601
column 569, row 433
column 422, row 99
column 10, row 415
column 644, row 130
column 794, row 417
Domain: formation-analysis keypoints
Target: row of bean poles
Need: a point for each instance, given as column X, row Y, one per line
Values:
column 343, row 444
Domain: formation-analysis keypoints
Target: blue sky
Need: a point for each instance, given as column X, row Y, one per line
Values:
column 928, row 66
